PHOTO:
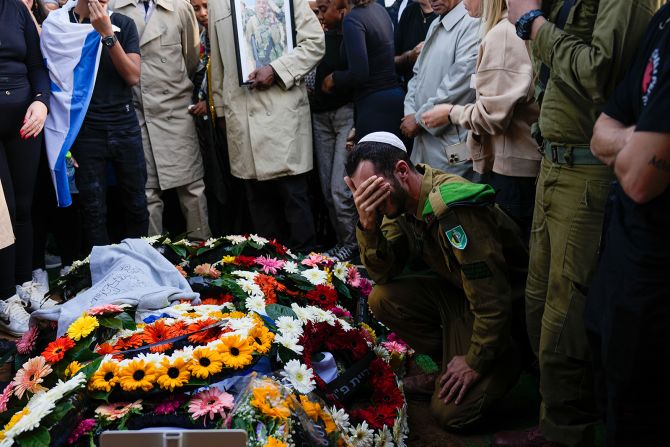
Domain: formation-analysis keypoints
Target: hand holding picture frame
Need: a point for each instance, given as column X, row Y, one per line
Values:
column 264, row 31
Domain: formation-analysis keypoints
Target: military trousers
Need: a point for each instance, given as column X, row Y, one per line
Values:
column 434, row 318
column 564, row 241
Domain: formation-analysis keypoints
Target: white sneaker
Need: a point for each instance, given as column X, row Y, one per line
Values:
column 33, row 297
column 52, row 261
column 13, row 316
column 41, row 278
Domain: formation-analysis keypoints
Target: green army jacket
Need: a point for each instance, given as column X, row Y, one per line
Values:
column 490, row 269
column 587, row 60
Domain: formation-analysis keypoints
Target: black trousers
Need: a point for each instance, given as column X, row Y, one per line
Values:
column 516, row 196
column 94, row 149
column 626, row 318
column 18, row 169
column 280, row 209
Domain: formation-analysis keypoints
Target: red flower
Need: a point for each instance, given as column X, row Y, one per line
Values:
column 223, row 298
column 387, row 394
column 323, row 296
column 375, row 416
column 132, row 342
column 245, row 261
column 279, row 248
column 55, row 351
column 155, row 333
column 204, row 336
column 350, row 341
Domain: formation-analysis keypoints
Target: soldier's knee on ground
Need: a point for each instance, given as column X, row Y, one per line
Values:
column 457, row 418
column 375, row 301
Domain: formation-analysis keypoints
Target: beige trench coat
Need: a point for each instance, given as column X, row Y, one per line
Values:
column 269, row 132
column 170, row 49
column 6, row 232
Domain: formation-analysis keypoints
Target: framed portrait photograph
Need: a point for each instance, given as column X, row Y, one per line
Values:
column 264, row 31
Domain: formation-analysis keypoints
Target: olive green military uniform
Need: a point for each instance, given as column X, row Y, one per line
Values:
column 266, row 38
column 586, row 60
column 464, row 306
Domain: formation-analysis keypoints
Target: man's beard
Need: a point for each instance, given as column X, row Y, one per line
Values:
column 398, row 199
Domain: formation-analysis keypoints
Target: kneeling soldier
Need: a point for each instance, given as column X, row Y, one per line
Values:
column 460, row 309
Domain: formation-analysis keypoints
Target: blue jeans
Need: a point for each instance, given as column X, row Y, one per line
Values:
column 94, row 149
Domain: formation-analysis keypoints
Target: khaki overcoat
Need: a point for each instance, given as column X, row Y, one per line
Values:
column 270, row 131
column 170, row 48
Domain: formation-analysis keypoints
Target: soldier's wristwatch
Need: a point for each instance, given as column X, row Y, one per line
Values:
column 109, row 41
column 524, row 25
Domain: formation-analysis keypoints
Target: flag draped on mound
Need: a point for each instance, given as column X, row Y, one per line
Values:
column 72, row 54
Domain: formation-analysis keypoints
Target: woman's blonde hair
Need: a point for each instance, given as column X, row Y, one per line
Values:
column 492, row 13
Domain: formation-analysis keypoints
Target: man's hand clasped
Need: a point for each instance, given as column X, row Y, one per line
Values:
column 368, row 197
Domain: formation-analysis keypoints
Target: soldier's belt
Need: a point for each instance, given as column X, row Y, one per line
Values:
column 569, row 154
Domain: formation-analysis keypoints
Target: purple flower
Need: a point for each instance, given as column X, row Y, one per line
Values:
column 84, row 428
column 269, row 265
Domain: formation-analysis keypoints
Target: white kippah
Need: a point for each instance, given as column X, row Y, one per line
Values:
column 384, row 137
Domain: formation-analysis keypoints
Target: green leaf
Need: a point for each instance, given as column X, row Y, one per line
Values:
column 35, row 438
column 127, row 321
column 341, row 288
column 275, row 311
column 300, row 280
column 110, row 322
column 198, row 382
column 181, row 251
column 84, row 355
column 286, row 354
column 58, row 414
column 92, row 367
column 99, row 395
column 426, row 364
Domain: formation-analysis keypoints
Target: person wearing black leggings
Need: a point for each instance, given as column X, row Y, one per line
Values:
column 24, row 101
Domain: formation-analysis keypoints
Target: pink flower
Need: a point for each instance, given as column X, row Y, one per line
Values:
column 207, row 271
column 105, row 309
column 365, row 287
column 4, row 397
column 115, row 411
column 269, row 265
column 353, row 277
column 210, row 402
column 340, row 312
column 84, row 428
column 26, row 343
column 316, row 259
column 394, row 347
column 394, row 337
column 30, row 376
column 169, row 406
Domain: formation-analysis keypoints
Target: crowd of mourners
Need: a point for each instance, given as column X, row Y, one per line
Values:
column 500, row 167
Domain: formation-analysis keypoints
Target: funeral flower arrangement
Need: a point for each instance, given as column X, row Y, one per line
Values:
column 272, row 349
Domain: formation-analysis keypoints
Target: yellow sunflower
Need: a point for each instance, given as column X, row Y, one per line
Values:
column 137, row 375
column 105, row 378
column 82, row 327
column 73, row 368
column 235, row 351
column 260, row 339
column 217, row 314
column 328, row 421
column 313, row 409
column 174, row 374
column 206, row 362
column 235, row 314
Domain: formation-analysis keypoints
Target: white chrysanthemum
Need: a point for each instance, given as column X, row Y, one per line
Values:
column 384, row 438
column 340, row 271
column 151, row 239
column 291, row 267
column 250, row 288
column 209, row 243
column 361, row 435
column 345, row 325
column 245, row 274
column 259, row 240
column 289, row 326
column 228, row 307
column 300, row 376
column 181, row 307
column 341, row 418
column 322, row 316
column 315, row 276
column 151, row 357
column 289, row 343
column 185, row 353
column 382, row 353
column 302, row 313
column 402, row 414
column 235, row 239
column 256, row 304
column 290, row 254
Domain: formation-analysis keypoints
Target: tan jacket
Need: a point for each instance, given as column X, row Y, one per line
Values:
column 170, row 48
column 6, row 232
column 504, row 109
column 269, row 132
column 494, row 245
